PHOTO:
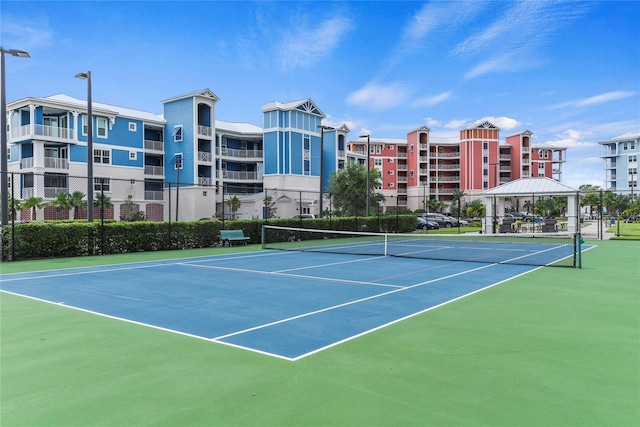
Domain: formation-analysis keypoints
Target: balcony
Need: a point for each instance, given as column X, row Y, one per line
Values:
column 402, row 167
column 153, row 195
column 154, row 170
column 454, row 155
column 205, row 131
column 41, row 131
column 526, row 149
column 205, row 182
column 50, row 192
column 153, row 145
column 505, row 156
column 447, row 167
column 240, row 175
column 49, row 162
column 240, row 154
column 204, row 156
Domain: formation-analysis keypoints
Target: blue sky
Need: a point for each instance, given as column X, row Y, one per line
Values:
column 568, row 71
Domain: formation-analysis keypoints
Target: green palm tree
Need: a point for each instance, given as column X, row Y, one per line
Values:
column 33, row 203
column 457, row 199
column 61, row 202
column 76, row 201
column 234, row 204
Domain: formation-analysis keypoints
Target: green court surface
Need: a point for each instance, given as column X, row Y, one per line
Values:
column 555, row 347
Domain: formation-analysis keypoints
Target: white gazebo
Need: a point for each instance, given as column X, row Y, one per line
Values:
column 530, row 188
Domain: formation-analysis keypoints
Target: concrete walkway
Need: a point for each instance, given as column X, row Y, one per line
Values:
column 590, row 230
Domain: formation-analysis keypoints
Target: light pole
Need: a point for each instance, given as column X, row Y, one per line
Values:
column 4, row 164
column 322, row 129
column 87, row 76
column 368, row 169
column 495, row 184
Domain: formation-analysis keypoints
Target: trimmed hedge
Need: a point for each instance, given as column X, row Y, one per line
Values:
column 72, row 239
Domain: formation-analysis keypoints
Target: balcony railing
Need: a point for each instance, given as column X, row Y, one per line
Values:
column 204, row 156
column 232, row 152
column 402, row 167
column 154, row 170
column 447, row 167
column 26, row 163
column 56, row 163
column 153, row 145
column 204, row 130
column 526, row 150
column 453, row 155
column 153, row 195
column 240, row 175
column 50, row 192
column 41, row 130
column 205, row 182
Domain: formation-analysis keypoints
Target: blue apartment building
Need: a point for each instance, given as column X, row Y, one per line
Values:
column 620, row 155
column 182, row 165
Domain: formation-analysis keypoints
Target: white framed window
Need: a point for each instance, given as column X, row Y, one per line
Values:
column 378, row 149
column 133, row 155
column 377, row 162
column 391, row 184
column 101, row 127
column 633, row 159
column 391, row 172
column 85, row 127
column 177, row 133
column 391, row 147
column 133, row 126
column 101, row 183
column 179, row 163
column 101, row 156
column 391, row 160
column 411, row 173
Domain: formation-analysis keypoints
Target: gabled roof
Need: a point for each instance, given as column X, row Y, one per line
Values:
column 203, row 93
column 529, row 186
column 484, row 125
column 304, row 105
column 629, row 136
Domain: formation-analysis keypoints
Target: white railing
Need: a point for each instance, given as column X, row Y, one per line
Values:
column 26, row 163
column 341, row 153
column 154, row 170
column 50, row 192
column 402, row 167
column 41, row 130
column 526, row 149
column 204, row 156
column 448, row 167
column 401, row 179
column 525, row 161
column 454, row 155
column 402, row 191
column 153, row 145
column 153, row 195
column 204, row 130
column 205, row 182
column 28, row 192
column 56, row 163
column 235, row 175
column 232, row 152
column 505, row 156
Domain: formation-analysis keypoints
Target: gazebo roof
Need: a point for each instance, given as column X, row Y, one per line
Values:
column 529, row 186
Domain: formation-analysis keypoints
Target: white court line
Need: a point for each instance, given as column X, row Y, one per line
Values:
column 106, row 269
column 311, row 313
column 299, row 276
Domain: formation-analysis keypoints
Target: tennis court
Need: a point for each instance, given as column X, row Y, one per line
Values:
column 285, row 304
column 555, row 346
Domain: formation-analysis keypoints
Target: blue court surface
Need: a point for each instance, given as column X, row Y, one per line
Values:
column 284, row 304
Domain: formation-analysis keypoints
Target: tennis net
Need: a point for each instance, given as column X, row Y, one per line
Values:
column 549, row 249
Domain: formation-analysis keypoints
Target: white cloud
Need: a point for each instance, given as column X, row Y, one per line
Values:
column 456, row 124
column 25, row 33
column 504, row 123
column 430, row 101
column 432, row 122
column 379, row 97
column 596, row 99
column 304, row 46
column 570, row 138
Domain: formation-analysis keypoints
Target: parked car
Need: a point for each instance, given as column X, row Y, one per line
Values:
column 442, row 220
column 431, row 225
column 523, row 216
column 304, row 216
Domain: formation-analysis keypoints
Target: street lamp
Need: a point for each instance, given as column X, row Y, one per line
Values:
column 4, row 164
column 322, row 129
column 368, row 169
column 87, row 76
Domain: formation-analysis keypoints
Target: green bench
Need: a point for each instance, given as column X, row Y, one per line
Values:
column 229, row 236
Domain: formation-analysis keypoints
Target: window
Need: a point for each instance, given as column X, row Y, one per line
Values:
column 306, row 155
column 411, row 148
column 101, row 124
column 624, row 146
column 391, row 184
column 485, row 172
column 390, row 173
column 485, row 184
column 378, row 149
column 377, row 162
column 133, row 126
column 177, row 133
column 101, row 184
column 133, row 155
column 101, row 156
column 85, row 128
column 391, row 147
column 411, row 174
column 178, row 164
column 485, row 159
column 485, row 145
column 633, row 159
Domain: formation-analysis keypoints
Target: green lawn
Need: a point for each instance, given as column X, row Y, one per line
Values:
column 626, row 231
column 556, row 347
